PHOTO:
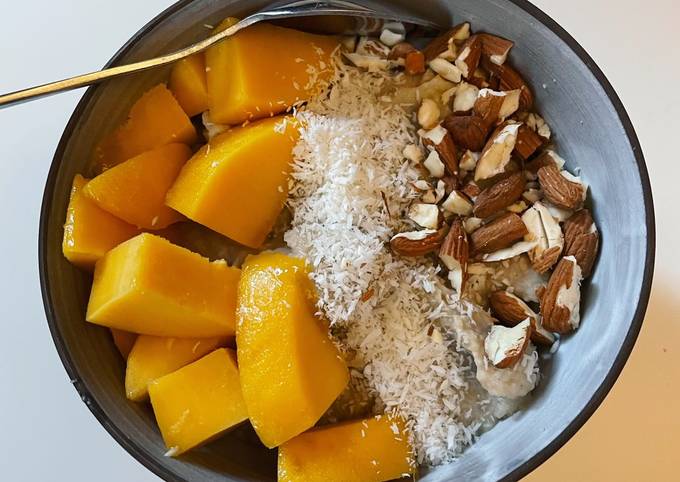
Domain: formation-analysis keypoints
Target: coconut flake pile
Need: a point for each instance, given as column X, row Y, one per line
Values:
column 395, row 318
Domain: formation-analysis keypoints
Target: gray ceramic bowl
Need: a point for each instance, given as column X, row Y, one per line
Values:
column 593, row 133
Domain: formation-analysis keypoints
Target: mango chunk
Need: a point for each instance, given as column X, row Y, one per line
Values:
column 238, row 183
column 155, row 119
column 150, row 286
column 189, row 85
column 135, row 190
column 124, row 341
column 153, row 357
column 265, row 69
column 370, row 450
column 199, row 402
column 291, row 371
column 89, row 231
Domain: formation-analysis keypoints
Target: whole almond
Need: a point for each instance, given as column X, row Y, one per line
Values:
column 581, row 240
column 559, row 190
column 417, row 243
column 499, row 234
column 468, row 131
column 500, row 195
column 560, row 313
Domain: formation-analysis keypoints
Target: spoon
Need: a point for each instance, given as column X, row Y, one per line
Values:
column 365, row 20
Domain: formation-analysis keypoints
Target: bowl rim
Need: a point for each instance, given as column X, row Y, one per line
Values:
column 148, row 459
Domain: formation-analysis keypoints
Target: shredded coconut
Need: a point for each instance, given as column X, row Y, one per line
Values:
column 350, row 188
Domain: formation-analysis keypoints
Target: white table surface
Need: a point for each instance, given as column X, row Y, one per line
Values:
column 47, row 433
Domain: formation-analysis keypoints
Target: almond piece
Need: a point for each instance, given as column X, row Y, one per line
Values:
column 450, row 184
column 509, row 79
column 499, row 196
column 540, row 335
column 400, row 51
column 424, row 215
column 434, row 165
column 446, row 69
column 442, row 142
column 495, row 106
column 559, row 190
column 457, row 203
column 544, row 159
column 468, row 132
column 505, row 346
column 561, row 301
column 472, row 224
column 413, row 153
column 528, row 142
column 581, row 240
column 545, row 230
column 509, row 252
column 414, row 63
column 510, row 309
column 498, row 234
column 469, row 56
column 466, row 96
column 488, row 105
column 538, row 125
column 392, row 33
column 496, row 49
column 428, row 114
column 454, row 253
column 417, row 243
column 497, row 151
column 442, row 43
column 468, row 160
column 471, row 190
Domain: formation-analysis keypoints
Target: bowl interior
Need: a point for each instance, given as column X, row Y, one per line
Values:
column 591, row 131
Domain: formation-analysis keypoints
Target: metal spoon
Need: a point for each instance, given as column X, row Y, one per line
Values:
column 365, row 19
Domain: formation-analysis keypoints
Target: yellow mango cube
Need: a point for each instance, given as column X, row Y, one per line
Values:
column 154, row 356
column 155, row 119
column 238, row 183
column 265, row 69
column 189, row 85
column 89, row 231
column 370, row 450
column 124, row 341
column 150, row 286
column 135, row 190
column 291, row 371
column 199, row 402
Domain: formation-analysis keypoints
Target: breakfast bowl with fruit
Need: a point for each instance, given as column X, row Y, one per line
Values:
column 305, row 256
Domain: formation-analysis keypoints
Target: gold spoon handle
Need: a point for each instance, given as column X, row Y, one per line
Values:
column 44, row 90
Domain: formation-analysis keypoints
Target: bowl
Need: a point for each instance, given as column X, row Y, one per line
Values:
column 592, row 131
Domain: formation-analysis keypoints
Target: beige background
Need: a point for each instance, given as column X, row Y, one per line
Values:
column 47, row 433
